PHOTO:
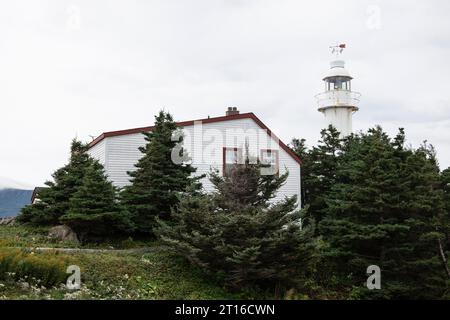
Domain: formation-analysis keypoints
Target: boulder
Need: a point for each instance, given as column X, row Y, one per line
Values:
column 63, row 233
column 7, row 221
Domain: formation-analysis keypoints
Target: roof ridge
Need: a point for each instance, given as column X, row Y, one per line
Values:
column 247, row 115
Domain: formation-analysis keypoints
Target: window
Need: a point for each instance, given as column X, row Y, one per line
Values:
column 346, row 85
column 270, row 160
column 231, row 157
column 338, row 85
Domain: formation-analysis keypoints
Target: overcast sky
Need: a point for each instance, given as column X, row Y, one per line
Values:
column 78, row 68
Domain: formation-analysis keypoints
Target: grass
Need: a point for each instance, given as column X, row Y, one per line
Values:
column 33, row 237
column 19, row 236
column 49, row 268
column 156, row 275
column 106, row 275
column 29, row 273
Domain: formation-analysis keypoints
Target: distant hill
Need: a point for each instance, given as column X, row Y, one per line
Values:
column 8, row 183
column 12, row 200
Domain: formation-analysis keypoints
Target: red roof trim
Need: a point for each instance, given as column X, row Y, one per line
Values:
column 249, row 115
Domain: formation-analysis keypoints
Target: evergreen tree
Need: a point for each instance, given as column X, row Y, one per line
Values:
column 318, row 170
column 93, row 208
column 157, row 180
column 236, row 234
column 54, row 199
column 381, row 211
column 444, row 222
column 301, row 150
column 445, row 180
column 40, row 213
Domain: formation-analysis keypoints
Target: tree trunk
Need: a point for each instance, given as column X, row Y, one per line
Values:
column 444, row 259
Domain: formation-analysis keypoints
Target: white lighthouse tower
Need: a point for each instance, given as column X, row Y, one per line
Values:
column 338, row 102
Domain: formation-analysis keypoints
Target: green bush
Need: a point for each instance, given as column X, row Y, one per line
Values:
column 238, row 236
column 47, row 267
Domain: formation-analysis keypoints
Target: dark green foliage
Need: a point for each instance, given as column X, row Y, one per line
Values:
column 445, row 180
column 382, row 210
column 157, row 180
column 40, row 213
column 318, row 170
column 301, row 150
column 81, row 197
column 93, row 209
column 444, row 222
column 237, row 235
column 54, row 199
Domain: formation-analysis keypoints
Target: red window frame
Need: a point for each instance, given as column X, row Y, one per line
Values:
column 224, row 158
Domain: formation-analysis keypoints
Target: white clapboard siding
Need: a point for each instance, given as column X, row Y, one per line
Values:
column 123, row 154
column 205, row 145
column 99, row 152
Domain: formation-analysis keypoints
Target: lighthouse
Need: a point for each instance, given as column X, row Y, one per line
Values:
column 338, row 102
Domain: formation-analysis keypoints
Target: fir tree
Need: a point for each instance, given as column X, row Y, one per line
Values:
column 236, row 234
column 41, row 213
column 157, row 180
column 444, row 222
column 382, row 211
column 301, row 150
column 54, row 199
column 445, row 180
column 318, row 170
column 93, row 208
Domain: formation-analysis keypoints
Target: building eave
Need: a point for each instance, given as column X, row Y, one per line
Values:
column 249, row 115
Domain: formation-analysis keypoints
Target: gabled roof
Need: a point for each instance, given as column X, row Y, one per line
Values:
column 35, row 193
column 249, row 115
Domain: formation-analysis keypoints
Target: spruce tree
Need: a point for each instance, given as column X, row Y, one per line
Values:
column 237, row 234
column 157, row 180
column 93, row 208
column 444, row 222
column 41, row 213
column 54, row 198
column 382, row 211
column 318, row 170
column 301, row 150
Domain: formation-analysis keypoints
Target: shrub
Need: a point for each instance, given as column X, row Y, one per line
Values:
column 49, row 268
column 157, row 180
column 239, row 236
column 54, row 198
column 93, row 209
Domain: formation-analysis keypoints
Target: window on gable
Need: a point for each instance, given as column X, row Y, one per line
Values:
column 231, row 157
column 270, row 160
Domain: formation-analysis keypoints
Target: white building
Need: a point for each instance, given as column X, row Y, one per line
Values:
column 338, row 102
column 212, row 143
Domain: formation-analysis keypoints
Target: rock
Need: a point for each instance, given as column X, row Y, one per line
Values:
column 63, row 233
column 7, row 221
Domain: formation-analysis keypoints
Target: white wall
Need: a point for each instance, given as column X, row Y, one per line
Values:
column 205, row 147
column 99, row 152
column 340, row 118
